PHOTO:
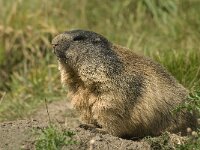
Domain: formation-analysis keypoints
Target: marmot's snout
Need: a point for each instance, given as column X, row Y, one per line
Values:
column 62, row 42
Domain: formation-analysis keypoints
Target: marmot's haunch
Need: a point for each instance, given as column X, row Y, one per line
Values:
column 122, row 93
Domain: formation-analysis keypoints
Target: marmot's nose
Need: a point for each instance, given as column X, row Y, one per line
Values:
column 54, row 45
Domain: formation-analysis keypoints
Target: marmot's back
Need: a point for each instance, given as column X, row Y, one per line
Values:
column 118, row 90
column 155, row 90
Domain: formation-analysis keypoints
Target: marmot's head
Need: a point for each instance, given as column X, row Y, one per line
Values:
column 75, row 46
column 79, row 48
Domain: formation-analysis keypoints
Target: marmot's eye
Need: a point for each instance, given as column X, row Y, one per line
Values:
column 79, row 38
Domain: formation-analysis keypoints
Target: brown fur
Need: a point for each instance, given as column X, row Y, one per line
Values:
column 127, row 95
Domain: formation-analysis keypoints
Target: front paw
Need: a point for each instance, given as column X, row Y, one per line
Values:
column 87, row 126
column 100, row 130
column 93, row 128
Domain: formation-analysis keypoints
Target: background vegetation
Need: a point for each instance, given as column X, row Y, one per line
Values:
column 168, row 31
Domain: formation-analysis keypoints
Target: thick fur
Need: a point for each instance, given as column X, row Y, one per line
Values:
column 125, row 94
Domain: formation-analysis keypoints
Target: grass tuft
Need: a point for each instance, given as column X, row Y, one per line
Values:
column 52, row 138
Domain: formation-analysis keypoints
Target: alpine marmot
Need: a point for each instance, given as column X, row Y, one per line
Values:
column 118, row 91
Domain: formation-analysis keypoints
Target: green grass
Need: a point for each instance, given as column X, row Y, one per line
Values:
column 193, row 142
column 163, row 142
column 192, row 104
column 52, row 138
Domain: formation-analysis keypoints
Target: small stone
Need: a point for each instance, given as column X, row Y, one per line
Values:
column 194, row 133
column 189, row 130
column 92, row 141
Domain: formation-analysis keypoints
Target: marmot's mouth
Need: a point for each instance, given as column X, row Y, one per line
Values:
column 59, row 50
column 59, row 53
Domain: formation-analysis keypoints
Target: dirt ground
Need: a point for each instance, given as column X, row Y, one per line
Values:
column 20, row 134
